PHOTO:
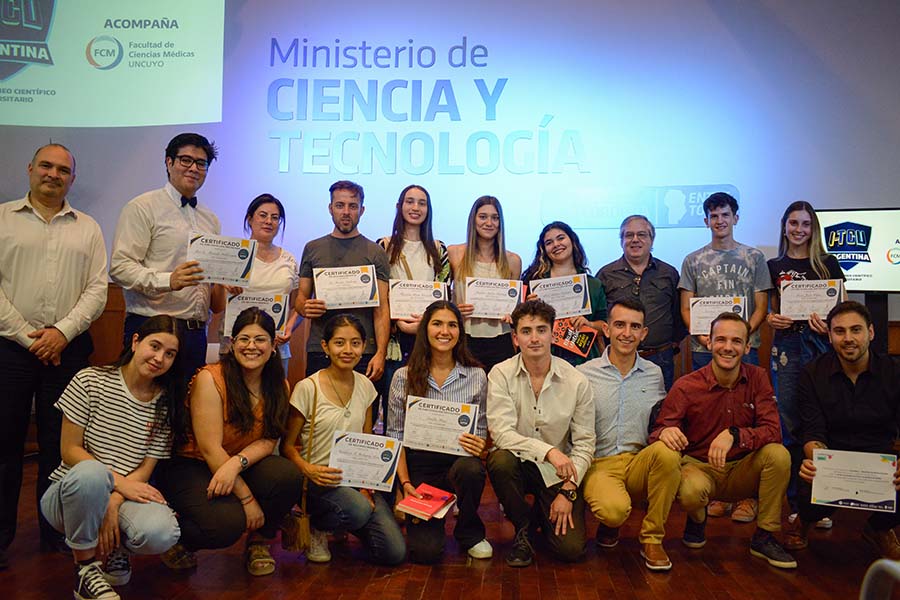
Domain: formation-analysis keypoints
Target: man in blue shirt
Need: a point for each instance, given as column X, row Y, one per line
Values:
column 626, row 388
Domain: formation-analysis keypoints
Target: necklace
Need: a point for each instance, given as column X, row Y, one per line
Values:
column 336, row 393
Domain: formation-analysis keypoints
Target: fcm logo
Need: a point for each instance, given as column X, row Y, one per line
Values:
column 104, row 52
column 849, row 242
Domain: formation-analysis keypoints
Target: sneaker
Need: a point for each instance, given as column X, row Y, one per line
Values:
column 884, row 541
column 796, row 536
column 118, row 567
column 607, row 537
column 318, row 551
column 825, row 523
column 764, row 545
column 745, row 511
column 482, row 549
column 717, row 508
column 522, row 554
column 179, row 558
column 694, row 535
column 91, row 585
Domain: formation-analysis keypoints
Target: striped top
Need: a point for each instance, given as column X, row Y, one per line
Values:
column 463, row 384
column 118, row 428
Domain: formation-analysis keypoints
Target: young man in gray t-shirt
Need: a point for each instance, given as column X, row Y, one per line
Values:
column 724, row 267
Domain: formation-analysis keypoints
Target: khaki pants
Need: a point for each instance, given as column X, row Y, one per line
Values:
column 763, row 473
column 613, row 483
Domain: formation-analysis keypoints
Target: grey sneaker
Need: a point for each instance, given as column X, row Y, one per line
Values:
column 118, row 567
column 318, row 547
column 764, row 545
column 91, row 584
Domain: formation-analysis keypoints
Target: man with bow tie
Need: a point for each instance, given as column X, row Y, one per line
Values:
column 149, row 255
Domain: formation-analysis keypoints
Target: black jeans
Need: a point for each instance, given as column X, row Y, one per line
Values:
column 220, row 522
column 25, row 379
column 512, row 479
column 490, row 351
column 462, row 475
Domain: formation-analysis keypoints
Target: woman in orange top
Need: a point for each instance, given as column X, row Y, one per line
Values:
column 225, row 480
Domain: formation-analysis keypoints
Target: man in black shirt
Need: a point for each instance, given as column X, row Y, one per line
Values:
column 849, row 400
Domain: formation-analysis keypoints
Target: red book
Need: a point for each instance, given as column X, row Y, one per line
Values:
column 574, row 340
column 434, row 502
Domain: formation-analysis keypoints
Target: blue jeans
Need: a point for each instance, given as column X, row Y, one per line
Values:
column 344, row 508
column 76, row 505
column 791, row 351
column 665, row 360
column 701, row 359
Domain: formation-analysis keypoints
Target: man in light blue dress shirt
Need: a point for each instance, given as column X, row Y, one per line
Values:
column 626, row 388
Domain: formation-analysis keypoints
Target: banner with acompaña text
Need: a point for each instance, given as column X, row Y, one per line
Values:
column 110, row 63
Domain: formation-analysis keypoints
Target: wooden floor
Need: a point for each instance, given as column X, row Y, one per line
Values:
column 832, row 568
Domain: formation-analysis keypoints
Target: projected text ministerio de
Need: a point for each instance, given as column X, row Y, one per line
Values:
column 537, row 149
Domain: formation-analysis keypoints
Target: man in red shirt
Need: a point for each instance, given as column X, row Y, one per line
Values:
column 724, row 420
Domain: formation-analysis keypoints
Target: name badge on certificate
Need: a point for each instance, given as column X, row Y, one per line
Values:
column 801, row 298
column 273, row 305
column 408, row 298
column 704, row 311
column 492, row 298
column 436, row 425
column 223, row 259
column 568, row 295
column 860, row 480
column 366, row 461
column 347, row 287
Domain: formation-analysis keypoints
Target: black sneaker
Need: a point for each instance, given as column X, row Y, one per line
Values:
column 694, row 533
column 607, row 537
column 91, row 585
column 764, row 545
column 118, row 567
column 522, row 554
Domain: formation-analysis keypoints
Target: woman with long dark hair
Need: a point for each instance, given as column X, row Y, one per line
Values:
column 225, row 480
column 440, row 367
column 801, row 256
column 484, row 255
column 337, row 398
column 116, row 427
column 559, row 253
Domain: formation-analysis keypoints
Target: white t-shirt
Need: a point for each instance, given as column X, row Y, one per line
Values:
column 329, row 416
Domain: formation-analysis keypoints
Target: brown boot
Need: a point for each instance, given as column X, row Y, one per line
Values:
column 796, row 535
column 655, row 557
column 884, row 541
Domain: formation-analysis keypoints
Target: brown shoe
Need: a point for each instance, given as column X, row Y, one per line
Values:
column 655, row 558
column 717, row 508
column 796, row 535
column 744, row 511
column 884, row 541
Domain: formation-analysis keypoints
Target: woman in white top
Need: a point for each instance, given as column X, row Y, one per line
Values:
column 414, row 255
column 275, row 270
column 116, row 427
column 337, row 398
column 484, row 255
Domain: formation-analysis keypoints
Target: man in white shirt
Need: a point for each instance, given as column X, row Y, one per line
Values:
column 541, row 417
column 149, row 255
column 52, row 287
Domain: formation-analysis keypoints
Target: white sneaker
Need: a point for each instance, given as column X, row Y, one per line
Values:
column 482, row 549
column 825, row 523
column 318, row 547
column 118, row 567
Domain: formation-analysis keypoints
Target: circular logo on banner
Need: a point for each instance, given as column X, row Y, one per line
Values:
column 104, row 52
column 736, row 309
column 577, row 288
column 243, row 253
column 831, row 292
column 893, row 256
column 464, row 420
column 512, row 292
column 276, row 308
column 365, row 278
column 386, row 456
column 436, row 294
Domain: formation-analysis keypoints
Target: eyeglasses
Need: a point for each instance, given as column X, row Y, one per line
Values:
column 641, row 235
column 187, row 161
column 275, row 218
column 243, row 341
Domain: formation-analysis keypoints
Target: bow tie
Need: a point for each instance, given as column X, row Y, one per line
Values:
column 191, row 201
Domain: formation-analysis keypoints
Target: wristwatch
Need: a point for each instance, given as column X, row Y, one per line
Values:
column 244, row 462
column 570, row 495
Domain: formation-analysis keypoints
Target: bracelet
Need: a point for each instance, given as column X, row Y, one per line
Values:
column 246, row 499
column 405, row 483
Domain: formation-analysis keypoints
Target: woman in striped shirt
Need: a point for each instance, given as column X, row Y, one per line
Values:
column 440, row 367
column 116, row 426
